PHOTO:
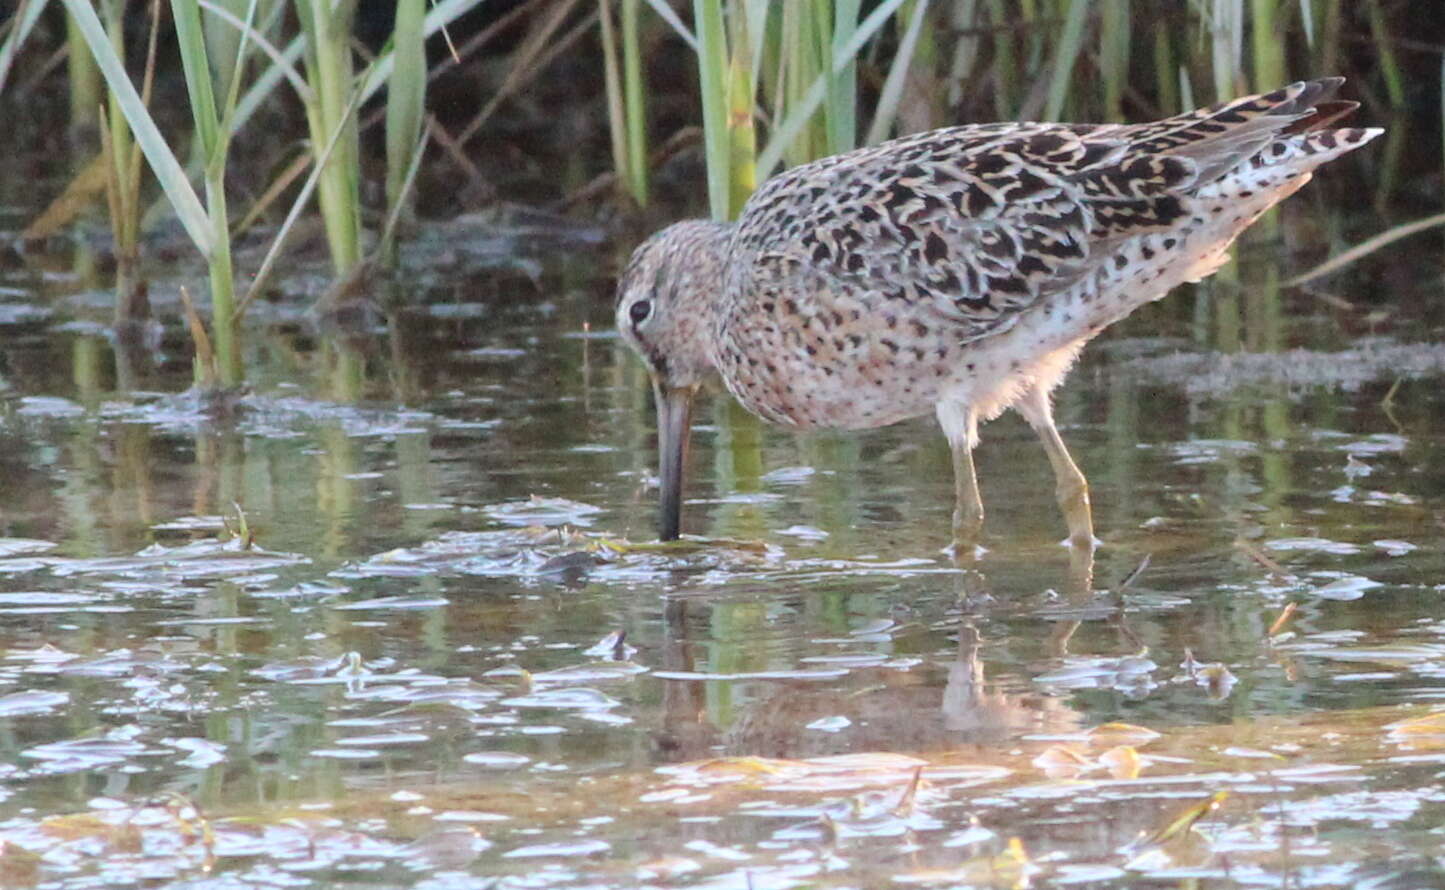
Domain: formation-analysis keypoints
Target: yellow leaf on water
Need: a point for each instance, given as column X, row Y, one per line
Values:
column 76, row 826
column 1123, row 762
column 743, row 767
column 1059, row 762
column 19, row 867
column 1184, row 821
column 1430, row 724
column 1112, row 734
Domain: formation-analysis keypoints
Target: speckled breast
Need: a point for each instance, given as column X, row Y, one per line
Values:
column 832, row 361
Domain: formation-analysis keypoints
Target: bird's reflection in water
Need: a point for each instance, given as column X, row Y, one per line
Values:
column 885, row 709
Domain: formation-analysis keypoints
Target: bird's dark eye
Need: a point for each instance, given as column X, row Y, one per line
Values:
column 640, row 310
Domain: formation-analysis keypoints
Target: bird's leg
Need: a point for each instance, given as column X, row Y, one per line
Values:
column 960, row 427
column 1071, row 487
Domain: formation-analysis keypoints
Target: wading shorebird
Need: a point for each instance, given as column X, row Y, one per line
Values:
column 958, row 271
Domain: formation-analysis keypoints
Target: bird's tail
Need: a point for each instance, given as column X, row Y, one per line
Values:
column 1287, row 125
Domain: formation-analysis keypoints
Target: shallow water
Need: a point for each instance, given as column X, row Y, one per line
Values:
column 395, row 621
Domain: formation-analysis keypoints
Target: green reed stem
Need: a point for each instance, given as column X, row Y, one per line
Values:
column 742, row 135
column 1389, row 62
column 636, row 103
column 616, row 104
column 712, row 60
column 405, row 106
column 327, row 31
column 622, row 70
column 840, row 110
column 798, row 115
column 84, row 78
column 1071, row 41
column 800, row 64
column 1267, row 39
column 1166, row 80
column 1226, row 32
column 1005, row 60
column 892, row 92
column 123, row 160
column 213, row 135
column 1114, row 45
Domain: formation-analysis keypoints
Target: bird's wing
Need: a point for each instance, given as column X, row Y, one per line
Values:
column 973, row 225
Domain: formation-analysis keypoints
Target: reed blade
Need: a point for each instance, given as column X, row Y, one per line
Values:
column 712, row 60
column 167, row 169
column 25, row 17
column 887, row 111
column 1071, row 41
column 405, row 106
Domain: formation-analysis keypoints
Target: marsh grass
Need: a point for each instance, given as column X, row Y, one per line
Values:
column 326, row 28
column 16, row 30
column 169, row 171
column 778, row 83
column 405, row 111
column 121, row 158
column 626, row 105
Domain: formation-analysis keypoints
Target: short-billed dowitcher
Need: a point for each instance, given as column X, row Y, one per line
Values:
column 958, row 271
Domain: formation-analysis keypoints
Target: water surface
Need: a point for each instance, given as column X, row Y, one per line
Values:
column 394, row 621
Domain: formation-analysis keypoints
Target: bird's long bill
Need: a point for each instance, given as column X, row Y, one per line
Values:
column 674, row 422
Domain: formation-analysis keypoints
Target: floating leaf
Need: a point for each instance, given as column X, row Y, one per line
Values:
column 1428, row 725
column 1217, row 679
column 1123, row 762
column 1114, row 734
column 1059, row 762
column 1185, row 820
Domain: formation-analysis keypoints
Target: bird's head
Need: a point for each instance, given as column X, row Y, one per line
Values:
column 664, row 311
